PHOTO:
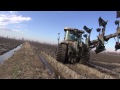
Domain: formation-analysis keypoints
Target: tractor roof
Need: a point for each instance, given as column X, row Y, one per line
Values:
column 74, row 30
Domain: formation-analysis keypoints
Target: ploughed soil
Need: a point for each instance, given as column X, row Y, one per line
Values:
column 76, row 71
column 24, row 64
column 110, row 61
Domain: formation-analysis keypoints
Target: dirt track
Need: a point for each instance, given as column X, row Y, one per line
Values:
column 26, row 64
column 77, row 71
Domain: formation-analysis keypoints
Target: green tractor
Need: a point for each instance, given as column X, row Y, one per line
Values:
column 74, row 50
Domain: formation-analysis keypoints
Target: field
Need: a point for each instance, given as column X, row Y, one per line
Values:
column 7, row 44
column 37, row 61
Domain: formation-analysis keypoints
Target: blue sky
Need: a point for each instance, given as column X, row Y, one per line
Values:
column 44, row 26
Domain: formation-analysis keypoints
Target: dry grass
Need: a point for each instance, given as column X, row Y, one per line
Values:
column 24, row 64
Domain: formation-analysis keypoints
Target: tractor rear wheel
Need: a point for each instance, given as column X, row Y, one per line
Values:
column 61, row 54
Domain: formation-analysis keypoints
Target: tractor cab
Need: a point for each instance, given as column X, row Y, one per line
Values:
column 73, row 34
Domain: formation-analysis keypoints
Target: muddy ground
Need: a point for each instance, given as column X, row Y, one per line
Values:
column 110, row 61
column 24, row 64
column 76, row 71
column 104, row 57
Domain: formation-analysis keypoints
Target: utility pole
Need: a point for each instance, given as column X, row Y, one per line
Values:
column 58, row 38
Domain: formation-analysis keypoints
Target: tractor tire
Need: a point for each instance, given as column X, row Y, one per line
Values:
column 61, row 54
column 86, row 58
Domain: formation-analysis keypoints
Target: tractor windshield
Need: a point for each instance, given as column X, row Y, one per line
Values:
column 71, row 36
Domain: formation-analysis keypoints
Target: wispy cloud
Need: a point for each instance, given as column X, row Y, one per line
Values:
column 12, row 19
column 15, row 20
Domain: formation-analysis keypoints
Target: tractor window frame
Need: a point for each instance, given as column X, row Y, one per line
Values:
column 71, row 36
